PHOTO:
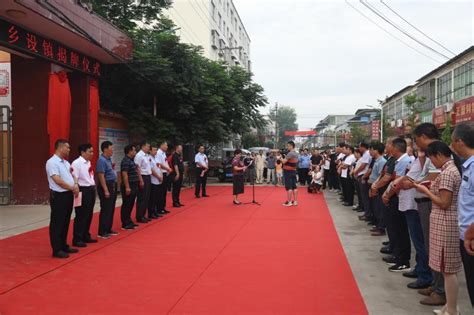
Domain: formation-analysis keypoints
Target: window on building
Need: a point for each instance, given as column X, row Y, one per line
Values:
column 220, row 21
column 426, row 91
column 463, row 81
column 235, row 24
column 444, row 89
column 398, row 109
column 213, row 10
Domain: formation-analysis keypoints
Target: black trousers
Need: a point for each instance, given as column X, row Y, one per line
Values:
column 333, row 181
column 200, row 182
column 348, row 189
column 107, row 207
column 468, row 262
column 325, row 178
column 61, row 204
column 303, row 175
column 163, row 190
column 128, row 201
column 156, row 191
column 83, row 219
column 400, row 236
column 143, row 197
column 177, row 184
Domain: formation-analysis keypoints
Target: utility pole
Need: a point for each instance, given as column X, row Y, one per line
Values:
column 275, row 143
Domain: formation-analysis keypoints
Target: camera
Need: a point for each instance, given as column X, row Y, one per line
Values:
column 248, row 161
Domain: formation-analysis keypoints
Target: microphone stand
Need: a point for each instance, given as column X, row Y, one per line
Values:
column 253, row 202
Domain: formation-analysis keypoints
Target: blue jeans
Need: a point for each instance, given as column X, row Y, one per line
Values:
column 422, row 269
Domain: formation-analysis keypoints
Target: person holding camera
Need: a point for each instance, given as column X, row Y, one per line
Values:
column 238, row 169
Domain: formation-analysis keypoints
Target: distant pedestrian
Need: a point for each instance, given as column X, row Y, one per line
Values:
column 202, row 168
column 162, row 163
column 63, row 186
column 271, row 168
column 143, row 160
column 178, row 166
column 290, row 163
column 82, row 170
column 259, row 166
column 107, row 190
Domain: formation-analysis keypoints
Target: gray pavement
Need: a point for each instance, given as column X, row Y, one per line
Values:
column 384, row 292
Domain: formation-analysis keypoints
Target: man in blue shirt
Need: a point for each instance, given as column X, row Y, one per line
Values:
column 107, row 190
column 376, row 151
column 304, row 163
column 463, row 145
column 63, row 186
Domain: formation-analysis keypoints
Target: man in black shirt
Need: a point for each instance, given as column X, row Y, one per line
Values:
column 316, row 158
column 129, row 186
column 178, row 167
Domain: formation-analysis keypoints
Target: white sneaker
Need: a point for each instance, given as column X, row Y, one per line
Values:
column 295, row 203
column 287, row 204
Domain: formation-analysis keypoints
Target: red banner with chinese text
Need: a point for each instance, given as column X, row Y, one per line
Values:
column 59, row 108
column 440, row 118
column 464, row 110
column 376, row 130
column 94, row 106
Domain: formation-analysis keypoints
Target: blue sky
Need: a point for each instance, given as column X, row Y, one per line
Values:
column 322, row 57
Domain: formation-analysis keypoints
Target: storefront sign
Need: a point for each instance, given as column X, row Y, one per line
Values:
column 439, row 117
column 17, row 38
column 119, row 138
column 464, row 110
column 376, row 130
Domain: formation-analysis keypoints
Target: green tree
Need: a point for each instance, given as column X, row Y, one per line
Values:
column 285, row 118
column 249, row 140
column 411, row 102
column 358, row 134
column 169, row 90
column 448, row 130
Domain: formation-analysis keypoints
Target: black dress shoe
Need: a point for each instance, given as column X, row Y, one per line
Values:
column 418, row 286
column 176, row 205
column 198, row 196
column 61, row 254
column 91, row 240
column 411, row 274
column 180, row 204
column 135, row 225
column 386, row 250
column 79, row 244
column 70, row 250
column 146, row 219
column 386, row 243
column 142, row 220
column 205, row 196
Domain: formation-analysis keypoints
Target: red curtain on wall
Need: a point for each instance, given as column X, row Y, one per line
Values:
column 59, row 108
column 94, row 107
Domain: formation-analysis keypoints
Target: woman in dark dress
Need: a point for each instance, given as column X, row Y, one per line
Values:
column 238, row 169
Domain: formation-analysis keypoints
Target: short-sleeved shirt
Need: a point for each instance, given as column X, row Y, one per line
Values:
column 129, row 166
column 238, row 163
column 162, row 161
column 144, row 161
column 349, row 160
column 82, row 169
column 389, row 169
column 291, row 161
column 155, row 167
column 406, row 197
column 201, row 159
column 402, row 164
column 377, row 169
column 466, row 197
column 178, row 161
column 57, row 166
column 104, row 165
column 366, row 158
column 271, row 162
column 304, row 161
column 316, row 159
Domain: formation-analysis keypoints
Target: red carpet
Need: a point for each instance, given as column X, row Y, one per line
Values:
column 209, row 257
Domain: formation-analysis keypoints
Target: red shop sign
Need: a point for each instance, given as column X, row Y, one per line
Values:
column 464, row 110
column 439, row 117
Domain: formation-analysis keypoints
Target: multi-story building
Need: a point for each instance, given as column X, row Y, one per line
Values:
column 215, row 25
column 326, row 129
column 447, row 91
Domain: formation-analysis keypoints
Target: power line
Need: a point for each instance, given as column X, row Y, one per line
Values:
column 416, row 28
column 390, row 34
column 382, row 16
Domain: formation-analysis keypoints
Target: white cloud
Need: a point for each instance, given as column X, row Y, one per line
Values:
column 322, row 57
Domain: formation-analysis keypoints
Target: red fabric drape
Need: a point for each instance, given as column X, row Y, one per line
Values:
column 59, row 108
column 94, row 107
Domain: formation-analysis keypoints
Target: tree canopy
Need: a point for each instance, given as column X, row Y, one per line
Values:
column 286, row 121
column 170, row 90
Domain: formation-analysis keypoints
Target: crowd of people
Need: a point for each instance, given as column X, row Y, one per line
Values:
column 147, row 173
column 418, row 192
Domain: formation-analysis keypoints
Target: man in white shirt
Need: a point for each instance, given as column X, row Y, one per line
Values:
column 260, row 160
column 166, row 170
column 83, row 171
column 202, row 167
column 359, row 173
column 347, row 181
column 143, row 161
column 156, row 185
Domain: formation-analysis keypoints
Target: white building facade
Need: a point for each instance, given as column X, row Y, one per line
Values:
column 215, row 25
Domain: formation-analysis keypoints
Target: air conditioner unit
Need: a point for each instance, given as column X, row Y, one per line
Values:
column 448, row 107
